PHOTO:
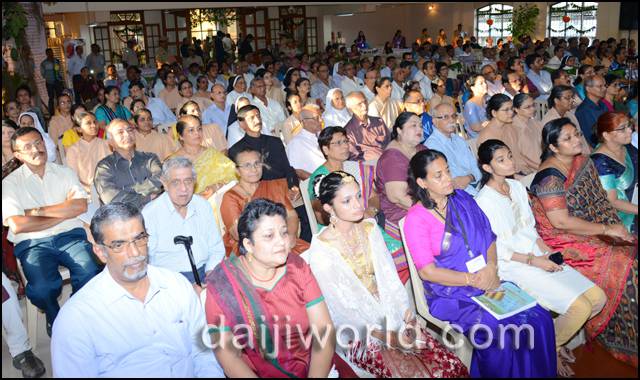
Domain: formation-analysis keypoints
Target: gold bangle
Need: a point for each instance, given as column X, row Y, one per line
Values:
column 466, row 277
column 529, row 258
column 604, row 229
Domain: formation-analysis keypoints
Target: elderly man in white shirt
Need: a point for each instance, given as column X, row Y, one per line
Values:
column 271, row 111
column 303, row 150
column 218, row 112
column 350, row 82
column 178, row 212
column 160, row 112
column 132, row 319
column 397, row 84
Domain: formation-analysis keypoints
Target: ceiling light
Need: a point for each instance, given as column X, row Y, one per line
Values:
column 344, row 14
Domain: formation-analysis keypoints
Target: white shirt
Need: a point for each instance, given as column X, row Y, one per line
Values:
column 319, row 90
column 304, row 152
column 397, row 92
column 385, row 72
column 234, row 133
column 271, row 113
column 104, row 331
column 214, row 115
column 425, row 85
column 554, row 63
column 494, row 87
column 163, row 223
column 368, row 94
column 350, row 85
column 74, row 65
column 160, row 112
column 23, row 190
column 542, row 82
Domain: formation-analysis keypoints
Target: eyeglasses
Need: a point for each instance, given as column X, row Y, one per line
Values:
column 250, row 165
column 624, row 127
column 29, row 146
column 527, row 107
column 340, row 142
column 445, row 117
column 188, row 182
column 421, row 101
column 119, row 245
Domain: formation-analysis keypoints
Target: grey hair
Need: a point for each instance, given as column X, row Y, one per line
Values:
column 350, row 99
column 113, row 123
column 177, row 162
column 112, row 212
column 590, row 81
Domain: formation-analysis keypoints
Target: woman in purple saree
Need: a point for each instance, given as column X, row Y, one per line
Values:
column 453, row 248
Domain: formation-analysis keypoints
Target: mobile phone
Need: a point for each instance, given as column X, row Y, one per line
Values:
column 557, row 258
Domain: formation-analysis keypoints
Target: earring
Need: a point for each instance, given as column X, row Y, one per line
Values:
column 332, row 221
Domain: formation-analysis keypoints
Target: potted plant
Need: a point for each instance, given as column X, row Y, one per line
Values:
column 524, row 21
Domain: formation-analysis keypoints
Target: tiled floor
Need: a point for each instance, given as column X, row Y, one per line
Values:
column 592, row 360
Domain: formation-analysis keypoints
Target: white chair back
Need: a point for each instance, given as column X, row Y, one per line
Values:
column 304, row 191
column 215, row 200
column 422, row 308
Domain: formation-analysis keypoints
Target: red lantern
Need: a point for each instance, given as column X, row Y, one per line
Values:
column 566, row 19
column 489, row 22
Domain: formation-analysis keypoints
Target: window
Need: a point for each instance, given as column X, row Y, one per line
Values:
column 153, row 41
column 582, row 20
column 255, row 22
column 501, row 15
column 200, row 27
column 101, row 38
column 312, row 35
column 175, row 27
column 274, row 30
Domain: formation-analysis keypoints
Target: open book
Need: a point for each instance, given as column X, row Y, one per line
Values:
column 505, row 301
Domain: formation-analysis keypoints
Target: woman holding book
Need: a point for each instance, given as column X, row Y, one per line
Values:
column 524, row 258
column 454, row 250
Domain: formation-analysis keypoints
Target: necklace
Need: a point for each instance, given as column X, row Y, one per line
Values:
column 248, row 268
column 502, row 189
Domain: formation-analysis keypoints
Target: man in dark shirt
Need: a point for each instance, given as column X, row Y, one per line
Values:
column 127, row 175
column 275, row 157
column 592, row 107
column 368, row 135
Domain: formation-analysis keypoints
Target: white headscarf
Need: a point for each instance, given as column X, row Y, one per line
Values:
column 49, row 144
column 336, row 77
column 333, row 116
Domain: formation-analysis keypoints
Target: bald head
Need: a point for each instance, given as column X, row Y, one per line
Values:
column 311, row 118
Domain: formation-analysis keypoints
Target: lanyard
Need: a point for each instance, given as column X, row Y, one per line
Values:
column 464, row 232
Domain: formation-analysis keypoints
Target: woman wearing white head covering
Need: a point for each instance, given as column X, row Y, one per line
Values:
column 234, row 132
column 336, row 114
column 337, row 77
column 237, row 88
column 49, row 144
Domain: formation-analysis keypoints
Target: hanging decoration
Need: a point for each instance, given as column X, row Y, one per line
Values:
column 490, row 22
column 566, row 19
column 571, row 27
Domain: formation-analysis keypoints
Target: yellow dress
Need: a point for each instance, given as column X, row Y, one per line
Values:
column 70, row 137
column 212, row 167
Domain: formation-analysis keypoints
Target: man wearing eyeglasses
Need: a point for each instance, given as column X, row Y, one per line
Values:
column 494, row 81
column 132, row 319
column 303, row 150
column 178, row 212
column 462, row 162
column 41, row 202
column 592, row 107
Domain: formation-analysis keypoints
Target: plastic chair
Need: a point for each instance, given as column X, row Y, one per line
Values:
column 463, row 352
column 313, row 222
column 32, row 310
column 215, row 201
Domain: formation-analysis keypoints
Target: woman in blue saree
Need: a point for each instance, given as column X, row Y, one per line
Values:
column 453, row 248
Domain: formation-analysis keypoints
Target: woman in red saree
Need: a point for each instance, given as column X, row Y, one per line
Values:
column 249, row 165
column 263, row 305
column 574, row 216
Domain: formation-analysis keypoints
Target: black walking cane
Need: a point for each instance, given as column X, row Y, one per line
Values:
column 187, row 241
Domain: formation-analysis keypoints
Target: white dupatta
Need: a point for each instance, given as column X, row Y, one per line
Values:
column 349, row 302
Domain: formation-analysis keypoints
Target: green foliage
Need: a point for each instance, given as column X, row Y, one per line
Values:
column 222, row 17
column 15, row 21
column 524, row 20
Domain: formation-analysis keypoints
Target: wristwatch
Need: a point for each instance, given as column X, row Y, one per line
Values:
column 36, row 211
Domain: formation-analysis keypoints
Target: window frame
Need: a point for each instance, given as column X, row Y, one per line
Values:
column 561, row 12
column 497, row 16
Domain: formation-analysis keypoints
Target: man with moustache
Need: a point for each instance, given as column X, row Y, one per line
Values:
column 41, row 202
column 132, row 319
column 178, row 212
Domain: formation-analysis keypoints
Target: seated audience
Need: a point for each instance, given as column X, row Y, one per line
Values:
column 441, row 211
column 616, row 161
column 439, row 94
column 234, row 132
column 9, row 161
column 263, row 283
column 336, row 113
column 461, row 160
column 538, row 80
column 162, row 115
column 574, row 216
column 212, row 136
column 272, row 113
column 237, row 88
column 127, row 175
column 148, row 139
column 391, row 178
column 26, row 102
column 524, row 258
column 528, row 131
column 562, row 103
column 293, row 124
column 218, row 112
column 185, row 88
column 170, row 94
column 475, row 109
column 303, row 150
column 374, row 296
column 61, row 121
column 179, row 212
column 30, row 120
column 72, row 136
column 591, row 107
column 133, row 319
column 412, row 101
column 500, row 127
column 111, row 109
column 321, row 86
column 249, row 164
column 383, row 105
column 41, row 202
column 83, row 156
column 368, row 135
column 350, row 82
column 212, row 167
